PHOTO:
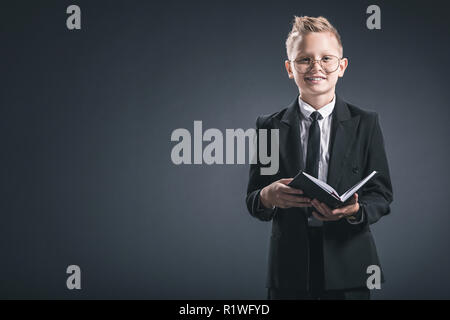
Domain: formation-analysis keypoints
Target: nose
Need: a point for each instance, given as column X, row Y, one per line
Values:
column 313, row 64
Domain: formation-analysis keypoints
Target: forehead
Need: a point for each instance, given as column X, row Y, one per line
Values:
column 316, row 43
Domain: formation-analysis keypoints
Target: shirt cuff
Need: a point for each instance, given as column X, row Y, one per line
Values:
column 359, row 216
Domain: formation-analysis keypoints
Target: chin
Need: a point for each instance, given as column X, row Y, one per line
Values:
column 314, row 91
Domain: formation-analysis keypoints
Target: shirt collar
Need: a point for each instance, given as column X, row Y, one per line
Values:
column 306, row 109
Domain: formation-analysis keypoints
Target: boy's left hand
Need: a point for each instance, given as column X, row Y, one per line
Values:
column 326, row 214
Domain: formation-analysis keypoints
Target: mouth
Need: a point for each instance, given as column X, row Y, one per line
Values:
column 315, row 79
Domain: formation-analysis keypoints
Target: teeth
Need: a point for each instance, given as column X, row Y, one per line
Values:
column 315, row 79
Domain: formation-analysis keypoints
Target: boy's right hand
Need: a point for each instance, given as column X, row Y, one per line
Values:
column 278, row 194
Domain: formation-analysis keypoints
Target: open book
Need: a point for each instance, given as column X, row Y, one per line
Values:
column 314, row 188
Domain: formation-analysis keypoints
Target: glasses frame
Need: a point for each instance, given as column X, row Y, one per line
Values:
column 311, row 63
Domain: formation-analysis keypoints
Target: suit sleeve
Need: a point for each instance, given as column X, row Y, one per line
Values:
column 377, row 195
column 256, row 183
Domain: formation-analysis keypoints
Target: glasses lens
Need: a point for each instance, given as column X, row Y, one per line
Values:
column 303, row 65
column 329, row 63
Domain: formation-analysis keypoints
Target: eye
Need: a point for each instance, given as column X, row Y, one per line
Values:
column 304, row 60
column 327, row 58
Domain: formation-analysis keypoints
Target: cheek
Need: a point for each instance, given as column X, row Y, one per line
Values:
column 332, row 79
column 299, row 80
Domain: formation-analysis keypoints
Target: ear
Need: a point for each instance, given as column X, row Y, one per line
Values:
column 342, row 66
column 287, row 64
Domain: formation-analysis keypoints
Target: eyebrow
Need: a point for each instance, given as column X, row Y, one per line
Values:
column 310, row 55
column 301, row 56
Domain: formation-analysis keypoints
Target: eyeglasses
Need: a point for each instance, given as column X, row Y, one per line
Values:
column 328, row 63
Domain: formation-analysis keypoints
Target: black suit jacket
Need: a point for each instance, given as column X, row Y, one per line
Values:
column 357, row 148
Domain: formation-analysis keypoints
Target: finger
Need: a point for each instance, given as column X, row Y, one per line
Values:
column 345, row 210
column 287, row 189
column 341, row 210
column 315, row 203
column 352, row 200
column 285, row 180
column 286, row 196
column 285, row 204
column 355, row 198
column 319, row 206
column 297, row 204
column 325, row 208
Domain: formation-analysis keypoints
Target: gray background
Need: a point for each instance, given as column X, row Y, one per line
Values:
column 86, row 118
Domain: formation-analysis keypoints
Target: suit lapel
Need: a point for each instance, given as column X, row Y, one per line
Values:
column 290, row 148
column 343, row 133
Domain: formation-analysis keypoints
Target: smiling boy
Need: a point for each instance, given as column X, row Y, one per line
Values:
column 316, row 252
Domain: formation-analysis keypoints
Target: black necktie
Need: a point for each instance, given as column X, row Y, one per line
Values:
column 313, row 151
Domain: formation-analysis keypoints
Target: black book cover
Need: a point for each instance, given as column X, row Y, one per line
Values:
column 316, row 189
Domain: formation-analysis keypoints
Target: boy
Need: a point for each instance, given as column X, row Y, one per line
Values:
column 316, row 252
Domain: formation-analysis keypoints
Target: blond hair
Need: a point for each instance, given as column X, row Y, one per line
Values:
column 304, row 25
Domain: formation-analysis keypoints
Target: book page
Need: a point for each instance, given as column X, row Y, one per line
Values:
column 323, row 185
column 355, row 188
